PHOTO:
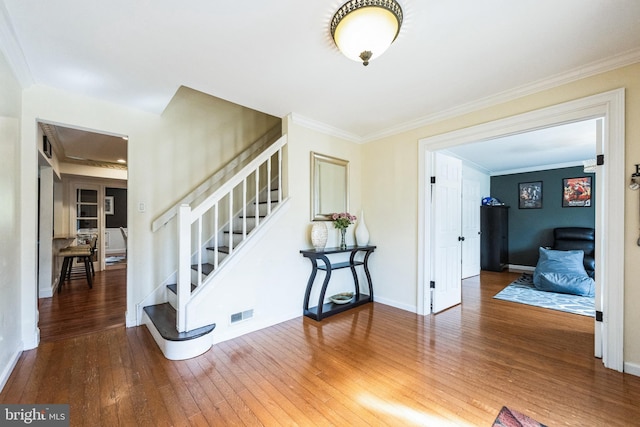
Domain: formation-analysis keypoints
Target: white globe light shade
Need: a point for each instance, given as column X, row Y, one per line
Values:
column 367, row 29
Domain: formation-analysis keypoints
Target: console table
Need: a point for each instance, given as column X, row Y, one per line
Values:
column 323, row 310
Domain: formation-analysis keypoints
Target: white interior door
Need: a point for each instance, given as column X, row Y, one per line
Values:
column 447, row 231
column 470, row 228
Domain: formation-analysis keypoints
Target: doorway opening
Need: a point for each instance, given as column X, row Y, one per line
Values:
column 83, row 194
column 609, row 212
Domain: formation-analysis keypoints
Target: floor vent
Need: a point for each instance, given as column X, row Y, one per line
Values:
column 243, row 315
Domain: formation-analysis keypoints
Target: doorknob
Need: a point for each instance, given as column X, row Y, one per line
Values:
column 461, row 238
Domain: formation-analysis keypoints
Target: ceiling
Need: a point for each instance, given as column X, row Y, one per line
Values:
column 561, row 146
column 85, row 147
column 278, row 56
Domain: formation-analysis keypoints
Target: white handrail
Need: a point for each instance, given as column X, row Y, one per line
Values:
column 237, row 179
column 163, row 219
column 187, row 216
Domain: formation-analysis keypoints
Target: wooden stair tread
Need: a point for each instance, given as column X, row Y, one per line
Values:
column 206, row 268
column 221, row 249
column 238, row 232
column 163, row 317
column 174, row 288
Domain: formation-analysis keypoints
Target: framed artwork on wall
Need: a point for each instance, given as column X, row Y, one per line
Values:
column 108, row 205
column 530, row 195
column 576, row 192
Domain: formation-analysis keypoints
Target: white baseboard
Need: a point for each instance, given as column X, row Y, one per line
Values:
column 228, row 333
column 396, row 304
column 6, row 372
column 130, row 320
column 632, row 368
column 516, row 267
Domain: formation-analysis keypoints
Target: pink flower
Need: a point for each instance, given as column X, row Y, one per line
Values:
column 342, row 220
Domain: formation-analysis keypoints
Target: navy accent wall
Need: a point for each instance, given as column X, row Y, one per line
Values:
column 119, row 217
column 531, row 228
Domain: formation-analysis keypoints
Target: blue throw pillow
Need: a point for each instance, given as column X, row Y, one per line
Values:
column 566, row 284
column 562, row 271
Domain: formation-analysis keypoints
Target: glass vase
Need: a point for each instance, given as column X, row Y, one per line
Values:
column 343, row 241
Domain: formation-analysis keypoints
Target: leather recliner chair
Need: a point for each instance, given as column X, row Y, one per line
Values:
column 577, row 238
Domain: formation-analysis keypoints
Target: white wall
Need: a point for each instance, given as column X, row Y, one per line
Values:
column 42, row 103
column 10, row 281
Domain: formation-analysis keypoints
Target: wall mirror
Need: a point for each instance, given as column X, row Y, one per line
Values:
column 329, row 186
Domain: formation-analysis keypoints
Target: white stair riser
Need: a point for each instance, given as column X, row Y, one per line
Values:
column 237, row 239
column 172, row 299
column 179, row 350
column 251, row 223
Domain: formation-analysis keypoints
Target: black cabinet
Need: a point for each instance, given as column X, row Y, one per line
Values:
column 494, row 237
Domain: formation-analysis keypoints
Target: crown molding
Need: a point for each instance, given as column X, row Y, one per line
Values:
column 308, row 123
column 537, row 168
column 12, row 51
column 598, row 67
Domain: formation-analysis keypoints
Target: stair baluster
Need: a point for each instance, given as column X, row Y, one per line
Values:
column 187, row 216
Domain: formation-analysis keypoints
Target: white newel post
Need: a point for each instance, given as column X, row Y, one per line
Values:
column 184, row 266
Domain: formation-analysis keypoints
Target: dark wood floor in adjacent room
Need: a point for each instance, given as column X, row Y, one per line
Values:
column 375, row 365
column 78, row 310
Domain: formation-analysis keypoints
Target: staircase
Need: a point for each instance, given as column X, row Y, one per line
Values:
column 210, row 235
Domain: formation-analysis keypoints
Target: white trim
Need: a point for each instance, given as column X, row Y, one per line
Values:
column 538, row 168
column 179, row 350
column 240, row 329
column 618, row 61
column 396, row 304
column 10, row 46
column 131, row 320
column 610, row 257
column 312, row 124
column 8, row 369
column 517, row 268
column 424, row 218
column 612, row 253
column 597, row 67
column 632, row 368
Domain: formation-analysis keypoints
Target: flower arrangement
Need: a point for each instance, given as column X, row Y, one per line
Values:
column 343, row 220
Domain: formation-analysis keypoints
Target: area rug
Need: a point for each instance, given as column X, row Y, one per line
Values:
column 510, row 418
column 113, row 259
column 523, row 291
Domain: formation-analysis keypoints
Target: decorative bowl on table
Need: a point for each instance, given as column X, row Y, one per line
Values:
column 341, row 298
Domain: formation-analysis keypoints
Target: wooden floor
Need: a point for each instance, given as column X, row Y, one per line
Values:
column 78, row 310
column 375, row 365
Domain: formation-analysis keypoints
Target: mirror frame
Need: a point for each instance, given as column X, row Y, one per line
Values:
column 316, row 160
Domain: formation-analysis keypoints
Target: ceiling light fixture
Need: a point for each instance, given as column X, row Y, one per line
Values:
column 364, row 29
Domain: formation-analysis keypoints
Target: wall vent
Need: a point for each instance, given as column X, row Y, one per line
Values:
column 240, row 316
